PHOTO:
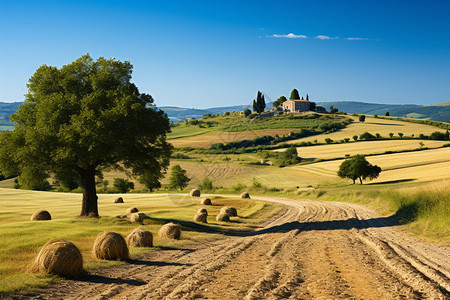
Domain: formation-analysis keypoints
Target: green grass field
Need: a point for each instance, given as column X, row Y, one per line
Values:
column 22, row 238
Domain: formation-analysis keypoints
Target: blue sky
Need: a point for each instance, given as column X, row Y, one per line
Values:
column 218, row 53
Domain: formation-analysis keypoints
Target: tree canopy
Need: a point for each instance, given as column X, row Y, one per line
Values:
column 357, row 167
column 294, row 95
column 279, row 101
column 362, row 118
column 81, row 119
column 178, row 178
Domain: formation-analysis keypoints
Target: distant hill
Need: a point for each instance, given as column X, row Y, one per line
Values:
column 177, row 114
column 437, row 112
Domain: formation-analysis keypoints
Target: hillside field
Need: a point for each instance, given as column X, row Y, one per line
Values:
column 22, row 238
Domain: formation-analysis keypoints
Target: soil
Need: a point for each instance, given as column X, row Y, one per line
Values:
column 311, row 250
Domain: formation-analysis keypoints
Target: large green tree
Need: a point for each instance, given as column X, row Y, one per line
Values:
column 83, row 118
column 294, row 95
column 357, row 167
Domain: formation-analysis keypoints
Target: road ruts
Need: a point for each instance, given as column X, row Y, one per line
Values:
column 311, row 250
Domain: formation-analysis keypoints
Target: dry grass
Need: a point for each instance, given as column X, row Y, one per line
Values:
column 222, row 217
column 41, row 215
column 206, row 201
column 140, row 238
column 59, row 257
column 21, row 238
column 373, row 126
column 195, row 193
column 201, row 217
column 131, row 210
column 231, row 211
column 170, row 231
column 111, row 246
column 245, row 195
column 363, row 147
column 419, row 166
column 207, row 139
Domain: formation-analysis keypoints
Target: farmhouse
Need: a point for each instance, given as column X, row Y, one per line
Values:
column 296, row 105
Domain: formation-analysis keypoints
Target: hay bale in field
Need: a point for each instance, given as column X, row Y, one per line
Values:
column 231, row 211
column 223, row 217
column 245, row 195
column 111, row 246
column 202, row 211
column 140, row 238
column 59, row 257
column 170, row 231
column 132, row 210
column 136, row 217
column 41, row 215
column 195, row 193
column 206, row 201
column 118, row 200
column 201, row 217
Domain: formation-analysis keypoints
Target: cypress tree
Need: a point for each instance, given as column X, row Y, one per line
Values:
column 294, row 95
column 255, row 106
column 307, row 97
column 262, row 105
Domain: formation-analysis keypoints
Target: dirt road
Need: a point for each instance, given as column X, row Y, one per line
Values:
column 312, row 249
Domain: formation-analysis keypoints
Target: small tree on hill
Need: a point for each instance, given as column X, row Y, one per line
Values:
column 255, row 107
column 247, row 112
column 279, row 101
column 391, row 135
column 387, row 114
column 357, row 167
column 362, row 118
column 400, row 134
column 178, row 178
column 294, row 95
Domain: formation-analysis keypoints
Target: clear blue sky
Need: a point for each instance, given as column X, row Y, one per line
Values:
column 218, row 53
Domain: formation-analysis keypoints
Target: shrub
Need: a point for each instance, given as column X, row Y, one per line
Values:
column 355, row 137
column 206, row 185
column 366, row 136
column 328, row 140
column 122, row 185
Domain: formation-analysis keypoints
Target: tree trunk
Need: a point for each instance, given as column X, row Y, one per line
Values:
column 360, row 180
column 89, row 206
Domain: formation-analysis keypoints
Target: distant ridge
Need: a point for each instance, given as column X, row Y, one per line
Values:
column 437, row 112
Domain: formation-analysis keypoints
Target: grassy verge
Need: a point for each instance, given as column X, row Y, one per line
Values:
column 22, row 238
column 424, row 209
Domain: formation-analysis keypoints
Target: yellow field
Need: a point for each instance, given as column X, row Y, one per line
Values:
column 228, row 175
column 373, row 126
column 22, row 238
column 363, row 147
column 418, row 166
column 207, row 139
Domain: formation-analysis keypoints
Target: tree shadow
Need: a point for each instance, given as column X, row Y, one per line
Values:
column 324, row 225
column 91, row 278
column 156, row 263
column 386, row 124
column 391, row 181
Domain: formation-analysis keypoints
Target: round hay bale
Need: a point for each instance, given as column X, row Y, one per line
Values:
column 41, row 215
column 170, row 231
column 140, row 238
column 59, row 257
column 231, row 211
column 111, row 246
column 223, row 217
column 136, row 217
column 206, row 201
column 132, row 210
column 195, row 193
column 118, row 200
column 245, row 195
column 202, row 211
column 201, row 217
